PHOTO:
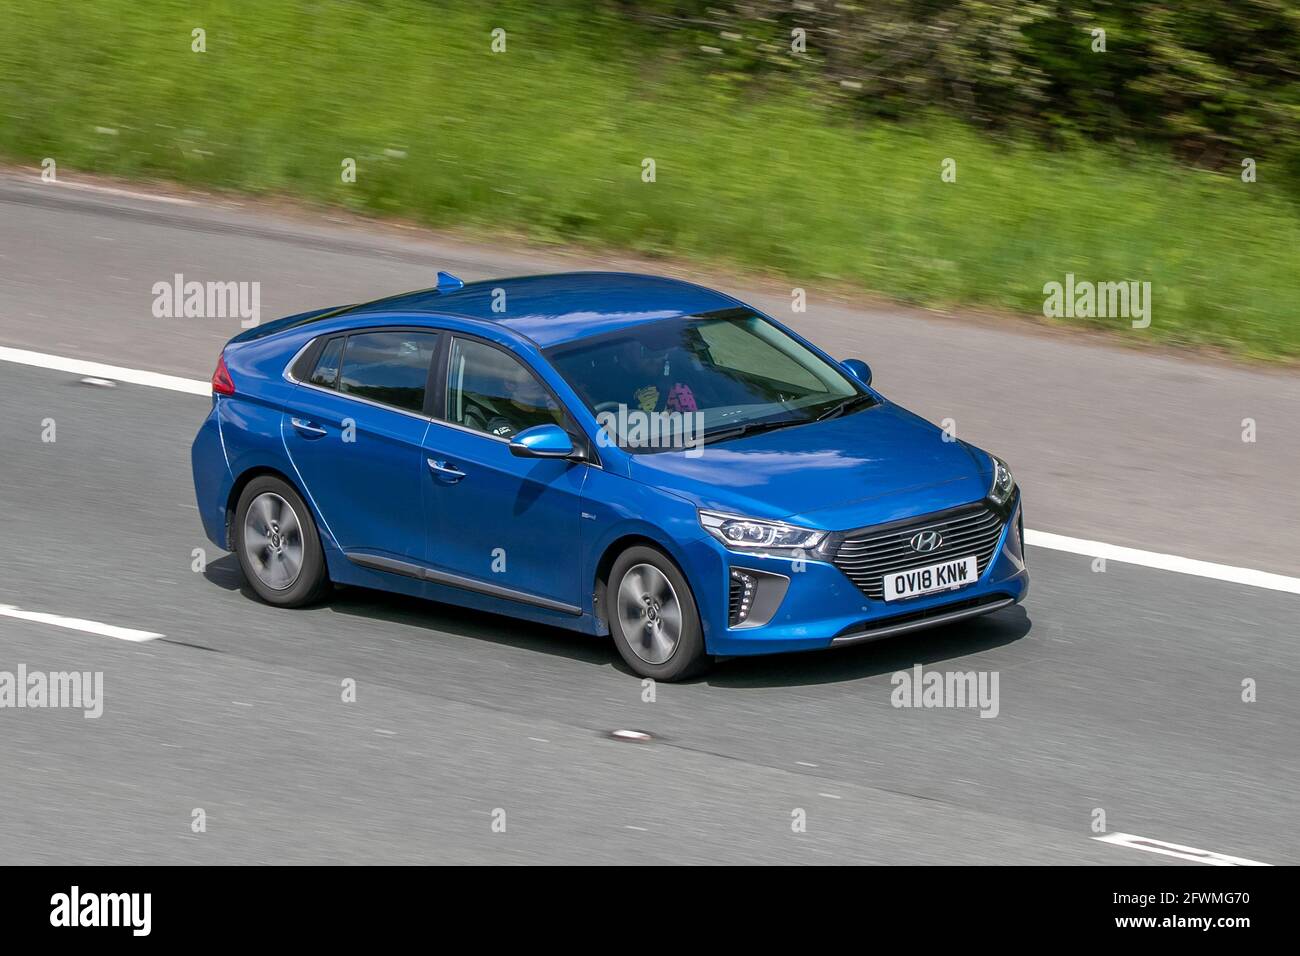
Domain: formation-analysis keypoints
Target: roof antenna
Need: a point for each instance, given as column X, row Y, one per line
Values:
column 448, row 282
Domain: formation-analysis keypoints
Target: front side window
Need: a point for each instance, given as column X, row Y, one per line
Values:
column 493, row 392
column 391, row 368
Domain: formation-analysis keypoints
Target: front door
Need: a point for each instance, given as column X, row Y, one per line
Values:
column 510, row 523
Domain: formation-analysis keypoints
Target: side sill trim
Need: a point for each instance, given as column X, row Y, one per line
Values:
column 890, row 630
column 420, row 572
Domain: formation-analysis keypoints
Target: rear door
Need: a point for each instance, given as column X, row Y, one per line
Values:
column 496, row 520
column 356, row 438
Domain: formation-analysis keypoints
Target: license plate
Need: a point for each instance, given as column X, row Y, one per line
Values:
column 936, row 577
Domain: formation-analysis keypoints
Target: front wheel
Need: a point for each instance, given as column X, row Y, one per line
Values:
column 277, row 544
column 653, row 618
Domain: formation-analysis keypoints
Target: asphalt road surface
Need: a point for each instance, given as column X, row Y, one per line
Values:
column 1119, row 690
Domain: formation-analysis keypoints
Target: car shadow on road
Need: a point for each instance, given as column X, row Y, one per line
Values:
column 437, row 617
column 951, row 642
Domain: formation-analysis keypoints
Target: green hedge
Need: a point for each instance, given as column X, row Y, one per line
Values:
column 1214, row 80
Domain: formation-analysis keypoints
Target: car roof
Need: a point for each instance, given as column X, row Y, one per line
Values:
column 557, row 308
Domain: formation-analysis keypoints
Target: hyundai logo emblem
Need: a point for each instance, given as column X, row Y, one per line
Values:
column 924, row 541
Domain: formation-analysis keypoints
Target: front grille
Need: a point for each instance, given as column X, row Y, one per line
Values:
column 866, row 556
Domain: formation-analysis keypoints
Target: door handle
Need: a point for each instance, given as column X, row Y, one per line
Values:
column 444, row 470
column 310, row 429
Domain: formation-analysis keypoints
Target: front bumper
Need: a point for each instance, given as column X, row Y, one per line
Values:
column 822, row 608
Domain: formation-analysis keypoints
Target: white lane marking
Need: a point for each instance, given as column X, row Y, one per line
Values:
column 635, row 736
column 1175, row 849
column 78, row 624
column 111, row 191
column 1038, row 539
column 99, row 370
column 1163, row 562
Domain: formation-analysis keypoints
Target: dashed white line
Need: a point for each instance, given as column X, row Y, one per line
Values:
column 79, row 624
column 134, row 376
column 1208, row 857
column 1038, row 539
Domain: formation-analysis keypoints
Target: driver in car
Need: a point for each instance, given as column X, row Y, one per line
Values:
column 528, row 405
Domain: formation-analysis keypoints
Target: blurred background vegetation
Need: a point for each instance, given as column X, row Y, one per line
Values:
column 1213, row 80
column 820, row 164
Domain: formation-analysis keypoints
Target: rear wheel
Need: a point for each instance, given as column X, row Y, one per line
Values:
column 653, row 618
column 277, row 544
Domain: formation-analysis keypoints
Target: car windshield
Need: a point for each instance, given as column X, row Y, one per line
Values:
column 698, row 379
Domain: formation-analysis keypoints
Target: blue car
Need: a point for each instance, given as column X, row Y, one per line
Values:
column 619, row 454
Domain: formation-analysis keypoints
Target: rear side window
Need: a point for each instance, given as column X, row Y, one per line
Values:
column 326, row 373
column 391, row 368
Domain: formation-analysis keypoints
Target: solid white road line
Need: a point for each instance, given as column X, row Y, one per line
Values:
column 1163, row 562
column 98, row 370
column 1174, row 849
column 78, row 624
column 1038, row 539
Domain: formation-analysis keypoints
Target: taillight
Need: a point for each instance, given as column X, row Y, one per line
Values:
column 221, row 383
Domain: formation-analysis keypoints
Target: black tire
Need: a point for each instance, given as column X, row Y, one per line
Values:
column 311, row 581
column 639, row 649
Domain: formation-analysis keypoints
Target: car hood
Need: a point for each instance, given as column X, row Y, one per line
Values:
column 879, row 464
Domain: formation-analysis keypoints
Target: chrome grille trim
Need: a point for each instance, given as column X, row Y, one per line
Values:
column 866, row 556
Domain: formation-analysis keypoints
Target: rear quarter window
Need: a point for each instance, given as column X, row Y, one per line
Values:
column 326, row 372
column 390, row 367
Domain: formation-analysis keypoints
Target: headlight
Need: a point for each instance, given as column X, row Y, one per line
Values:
column 750, row 534
column 1004, row 486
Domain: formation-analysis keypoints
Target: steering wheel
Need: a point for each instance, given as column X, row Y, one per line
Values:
column 607, row 407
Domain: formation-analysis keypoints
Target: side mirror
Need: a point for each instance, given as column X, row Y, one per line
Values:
column 858, row 369
column 542, row 441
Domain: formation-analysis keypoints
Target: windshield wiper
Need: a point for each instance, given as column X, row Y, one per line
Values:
column 750, row 428
column 839, row 408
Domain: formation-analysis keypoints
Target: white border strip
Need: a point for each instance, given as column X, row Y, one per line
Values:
column 1163, row 562
column 113, row 191
column 1038, row 539
column 98, row 370
column 79, row 624
column 1208, row 857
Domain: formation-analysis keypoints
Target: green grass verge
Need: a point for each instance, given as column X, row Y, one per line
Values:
column 548, row 139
